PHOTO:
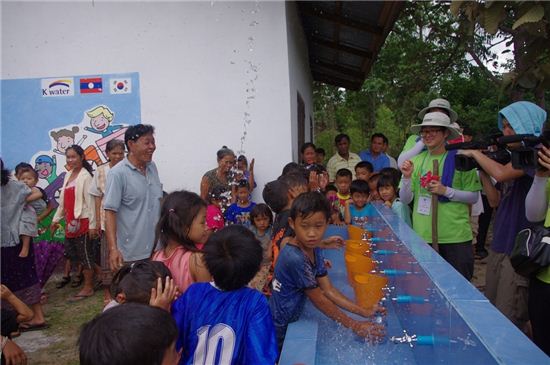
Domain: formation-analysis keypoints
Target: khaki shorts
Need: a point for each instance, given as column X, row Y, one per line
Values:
column 506, row 290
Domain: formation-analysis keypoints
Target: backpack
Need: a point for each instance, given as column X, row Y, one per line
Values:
column 531, row 251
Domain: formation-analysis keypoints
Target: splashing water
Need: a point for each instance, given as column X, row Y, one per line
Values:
column 251, row 70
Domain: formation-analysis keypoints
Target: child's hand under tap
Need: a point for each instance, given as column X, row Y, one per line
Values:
column 372, row 332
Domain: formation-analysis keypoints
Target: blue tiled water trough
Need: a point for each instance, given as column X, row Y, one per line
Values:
column 450, row 320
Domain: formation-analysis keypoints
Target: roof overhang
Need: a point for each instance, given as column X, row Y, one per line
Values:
column 344, row 37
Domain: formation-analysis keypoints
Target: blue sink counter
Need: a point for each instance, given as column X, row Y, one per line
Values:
column 455, row 324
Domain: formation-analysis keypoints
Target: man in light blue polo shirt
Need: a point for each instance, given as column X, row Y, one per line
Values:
column 132, row 199
column 375, row 155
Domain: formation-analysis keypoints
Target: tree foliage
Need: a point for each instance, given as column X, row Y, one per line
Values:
column 522, row 24
column 438, row 49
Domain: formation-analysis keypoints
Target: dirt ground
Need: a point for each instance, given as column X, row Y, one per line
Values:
column 57, row 344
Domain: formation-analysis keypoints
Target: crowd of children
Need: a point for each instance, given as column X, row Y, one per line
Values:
column 226, row 276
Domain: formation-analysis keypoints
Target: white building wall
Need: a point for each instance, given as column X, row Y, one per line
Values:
column 199, row 64
column 299, row 76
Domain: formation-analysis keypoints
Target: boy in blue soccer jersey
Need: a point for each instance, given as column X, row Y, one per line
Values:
column 300, row 272
column 225, row 322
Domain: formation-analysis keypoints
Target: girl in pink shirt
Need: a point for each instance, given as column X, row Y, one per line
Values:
column 214, row 214
column 180, row 231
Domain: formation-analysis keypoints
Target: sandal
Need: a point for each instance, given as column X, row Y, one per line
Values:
column 64, row 281
column 79, row 297
column 98, row 285
column 77, row 281
column 33, row 327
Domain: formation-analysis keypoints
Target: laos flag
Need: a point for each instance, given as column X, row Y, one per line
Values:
column 91, row 85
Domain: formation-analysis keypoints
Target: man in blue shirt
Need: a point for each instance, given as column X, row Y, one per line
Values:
column 132, row 199
column 375, row 155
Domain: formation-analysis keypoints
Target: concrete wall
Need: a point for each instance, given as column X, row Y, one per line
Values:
column 299, row 75
column 211, row 73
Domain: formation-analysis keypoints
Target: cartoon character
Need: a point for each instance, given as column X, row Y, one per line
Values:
column 65, row 138
column 46, row 167
column 100, row 118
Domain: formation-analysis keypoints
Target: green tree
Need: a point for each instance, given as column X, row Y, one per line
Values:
column 523, row 24
column 432, row 53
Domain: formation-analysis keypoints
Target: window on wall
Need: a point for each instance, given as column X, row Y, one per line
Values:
column 301, row 121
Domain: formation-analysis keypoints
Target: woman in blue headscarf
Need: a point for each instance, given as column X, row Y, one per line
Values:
column 507, row 290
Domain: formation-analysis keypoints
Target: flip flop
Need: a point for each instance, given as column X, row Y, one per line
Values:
column 98, row 285
column 77, row 281
column 64, row 281
column 34, row 327
column 79, row 297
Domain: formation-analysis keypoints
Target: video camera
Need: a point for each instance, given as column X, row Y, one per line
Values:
column 491, row 147
column 526, row 156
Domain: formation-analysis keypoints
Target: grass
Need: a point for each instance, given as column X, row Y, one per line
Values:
column 65, row 319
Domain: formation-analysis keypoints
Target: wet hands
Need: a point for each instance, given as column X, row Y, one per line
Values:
column 373, row 311
column 371, row 331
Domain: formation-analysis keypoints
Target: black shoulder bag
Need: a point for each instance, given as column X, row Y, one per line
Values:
column 531, row 251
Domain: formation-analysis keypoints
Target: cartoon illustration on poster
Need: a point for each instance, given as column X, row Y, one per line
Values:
column 41, row 118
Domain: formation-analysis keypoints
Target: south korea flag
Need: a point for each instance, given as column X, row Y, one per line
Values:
column 120, row 86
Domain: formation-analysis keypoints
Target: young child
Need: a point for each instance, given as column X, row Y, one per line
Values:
column 224, row 319
column 246, row 172
column 394, row 173
column 363, row 170
column 301, row 273
column 145, row 282
column 291, row 185
column 214, row 214
column 387, row 189
column 373, row 189
column 356, row 210
column 262, row 219
column 343, row 183
column 127, row 335
column 331, row 193
column 180, row 232
column 34, row 211
column 239, row 212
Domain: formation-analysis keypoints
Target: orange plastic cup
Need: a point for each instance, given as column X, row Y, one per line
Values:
column 357, row 264
column 358, row 247
column 368, row 289
column 355, row 233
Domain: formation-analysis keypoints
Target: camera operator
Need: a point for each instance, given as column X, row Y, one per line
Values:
column 505, row 289
column 537, row 210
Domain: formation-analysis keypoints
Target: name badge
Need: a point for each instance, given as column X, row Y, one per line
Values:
column 424, row 205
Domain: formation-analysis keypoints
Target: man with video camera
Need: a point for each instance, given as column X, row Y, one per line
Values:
column 537, row 209
column 505, row 289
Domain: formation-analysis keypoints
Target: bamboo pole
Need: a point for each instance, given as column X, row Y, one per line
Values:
column 435, row 244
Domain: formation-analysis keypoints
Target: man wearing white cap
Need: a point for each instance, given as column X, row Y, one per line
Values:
column 456, row 190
